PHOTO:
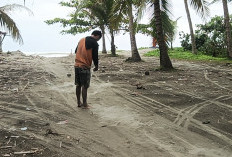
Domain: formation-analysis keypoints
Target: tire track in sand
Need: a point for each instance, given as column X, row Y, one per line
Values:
column 187, row 114
column 149, row 105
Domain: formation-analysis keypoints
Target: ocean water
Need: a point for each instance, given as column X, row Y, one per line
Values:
column 48, row 54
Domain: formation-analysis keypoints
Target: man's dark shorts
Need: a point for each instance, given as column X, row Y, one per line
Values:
column 82, row 77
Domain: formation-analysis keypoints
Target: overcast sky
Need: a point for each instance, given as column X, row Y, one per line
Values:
column 39, row 37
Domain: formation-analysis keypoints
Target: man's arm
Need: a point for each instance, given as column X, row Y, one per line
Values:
column 76, row 49
column 95, row 57
column 91, row 43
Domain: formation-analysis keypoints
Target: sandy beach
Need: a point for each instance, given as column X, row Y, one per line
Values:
column 135, row 110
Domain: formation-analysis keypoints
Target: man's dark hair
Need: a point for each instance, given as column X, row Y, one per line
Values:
column 96, row 33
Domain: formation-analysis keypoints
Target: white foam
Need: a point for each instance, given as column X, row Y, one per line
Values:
column 48, row 54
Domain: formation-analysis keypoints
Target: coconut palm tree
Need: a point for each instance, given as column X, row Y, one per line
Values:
column 95, row 10
column 227, row 26
column 165, row 62
column 173, row 33
column 162, row 28
column 201, row 8
column 124, row 9
column 103, row 10
column 88, row 15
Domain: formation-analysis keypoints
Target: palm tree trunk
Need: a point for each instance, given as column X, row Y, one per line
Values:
column 165, row 62
column 194, row 49
column 0, row 43
column 228, row 29
column 135, row 54
column 103, row 40
column 113, row 50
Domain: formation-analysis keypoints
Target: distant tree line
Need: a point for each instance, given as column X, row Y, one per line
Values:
column 124, row 15
column 114, row 16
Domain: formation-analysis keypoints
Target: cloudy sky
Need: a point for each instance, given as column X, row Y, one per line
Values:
column 39, row 37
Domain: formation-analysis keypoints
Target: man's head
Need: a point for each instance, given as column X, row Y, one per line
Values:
column 96, row 35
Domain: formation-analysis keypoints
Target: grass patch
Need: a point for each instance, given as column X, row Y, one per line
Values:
column 120, row 51
column 110, row 55
column 142, row 48
column 179, row 53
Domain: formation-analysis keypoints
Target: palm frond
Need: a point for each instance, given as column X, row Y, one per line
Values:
column 119, row 12
column 214, row 1
column 9, row 25
column 13, row 7
column 166, row 7
column 201, row 7
column 141, row 9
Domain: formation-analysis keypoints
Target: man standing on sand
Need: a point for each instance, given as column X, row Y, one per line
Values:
column 86, row 52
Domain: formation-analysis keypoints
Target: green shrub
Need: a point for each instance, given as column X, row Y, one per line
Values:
column 210, row 38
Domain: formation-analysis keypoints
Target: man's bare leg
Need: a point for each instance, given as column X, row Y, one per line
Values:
column 84, row 96
column 78, row 94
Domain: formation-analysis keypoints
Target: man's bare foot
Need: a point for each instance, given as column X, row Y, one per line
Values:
column 85, row 106
column 79, row 104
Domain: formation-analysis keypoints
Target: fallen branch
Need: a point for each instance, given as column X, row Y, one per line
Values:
column 25, row 86
column 8, row 141
column 5, row 147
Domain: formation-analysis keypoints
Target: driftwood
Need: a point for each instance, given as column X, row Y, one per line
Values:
column 26, row 152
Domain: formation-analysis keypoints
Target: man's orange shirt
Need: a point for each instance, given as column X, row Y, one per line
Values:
column 83, row 56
